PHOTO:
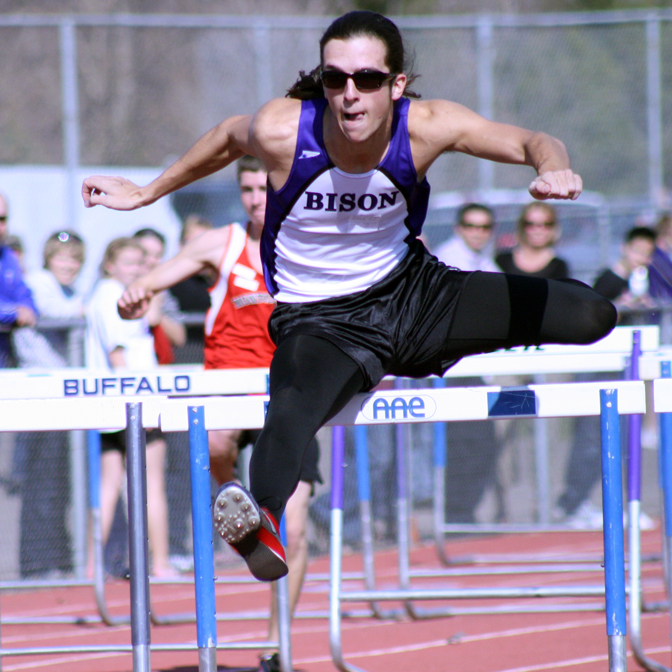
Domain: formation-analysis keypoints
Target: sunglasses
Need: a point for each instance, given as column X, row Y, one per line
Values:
column 532, row 225
column 482, row 227
column 3, row 218
column 365, row 80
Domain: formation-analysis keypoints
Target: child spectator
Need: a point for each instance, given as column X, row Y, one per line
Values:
column 113, row 343
column 166, row 329
column 626, row 282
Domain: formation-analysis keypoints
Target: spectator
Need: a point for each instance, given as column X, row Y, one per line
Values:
column 15, row 243
column 472, row 447
column 41, row 465
column 626, row 282
column 17, row 308
column 167, row 330
column 584, row 465
column 470, row 249
column 192, row 294
column 660, row 268
column 534, row 255
column 113, row 343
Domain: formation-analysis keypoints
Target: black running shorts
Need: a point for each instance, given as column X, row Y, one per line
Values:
column 398, row 326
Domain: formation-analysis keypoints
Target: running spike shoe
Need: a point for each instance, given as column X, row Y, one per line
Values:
column 251, row 531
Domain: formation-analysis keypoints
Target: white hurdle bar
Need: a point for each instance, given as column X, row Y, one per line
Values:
column 134, row 415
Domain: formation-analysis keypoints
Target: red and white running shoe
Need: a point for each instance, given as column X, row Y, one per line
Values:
column 251, row 530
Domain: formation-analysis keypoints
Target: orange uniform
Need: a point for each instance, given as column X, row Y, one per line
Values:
column 236, row 326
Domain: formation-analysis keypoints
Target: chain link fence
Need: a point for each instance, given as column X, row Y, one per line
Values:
column 136, row 91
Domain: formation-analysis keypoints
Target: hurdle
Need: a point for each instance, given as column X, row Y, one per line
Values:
column 134, row 415
column 445, row 405
column 171, row 381
column 77, row 383
column 613, row 353
column 618, row 352
column 662, row 404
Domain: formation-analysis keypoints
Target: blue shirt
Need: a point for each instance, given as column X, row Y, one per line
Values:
column 13, row 293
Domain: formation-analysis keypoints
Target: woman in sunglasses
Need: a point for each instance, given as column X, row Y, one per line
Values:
column 534, row 255
column 358, row 294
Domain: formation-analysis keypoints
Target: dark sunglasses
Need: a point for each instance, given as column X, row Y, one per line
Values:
column 3, row 218
column 365, row 80
column 530, row 225
column 484, row 227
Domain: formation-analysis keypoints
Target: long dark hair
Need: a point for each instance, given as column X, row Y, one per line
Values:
column 359, row 23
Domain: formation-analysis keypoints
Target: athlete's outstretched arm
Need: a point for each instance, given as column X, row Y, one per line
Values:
column 203, row 252
column 216, row 149
column 439, row 126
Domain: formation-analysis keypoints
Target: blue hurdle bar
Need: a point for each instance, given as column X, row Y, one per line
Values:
column 204, row 569
column 614, row 554
column 281, row 596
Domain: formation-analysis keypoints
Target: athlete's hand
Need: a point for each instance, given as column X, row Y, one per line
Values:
column 116, row 193
column 558, row 184
column 134, row 302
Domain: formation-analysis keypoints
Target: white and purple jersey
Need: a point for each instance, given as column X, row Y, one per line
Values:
column 329, row 233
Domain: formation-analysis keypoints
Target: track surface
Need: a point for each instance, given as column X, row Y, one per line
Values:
column 522, row 642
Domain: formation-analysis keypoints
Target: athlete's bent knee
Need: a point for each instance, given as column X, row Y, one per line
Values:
column 599, row 319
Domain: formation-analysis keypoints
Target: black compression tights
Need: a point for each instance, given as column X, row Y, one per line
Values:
column 311, row 379
column 498, row 310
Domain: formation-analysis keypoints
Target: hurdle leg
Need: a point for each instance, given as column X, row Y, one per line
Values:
column 634, row 509
column 284, row 615
column 137, row 536
column 542, row 470
column 204, row 567
column 77, row 451
column 666, row 477
column 403, row 541
column 614, row 554
column 439, row 429
column 93, row 437
column 366, row 517
column 335, row 550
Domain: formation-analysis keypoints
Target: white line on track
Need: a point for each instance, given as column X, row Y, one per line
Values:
column 515, row 632
column 577, row 661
